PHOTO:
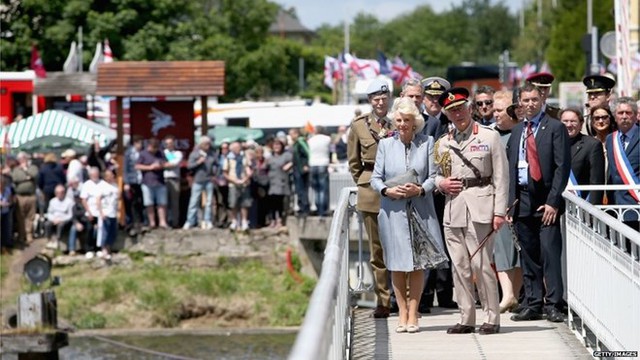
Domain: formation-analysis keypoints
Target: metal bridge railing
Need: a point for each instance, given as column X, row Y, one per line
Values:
column 325, row 332
column 603, row 274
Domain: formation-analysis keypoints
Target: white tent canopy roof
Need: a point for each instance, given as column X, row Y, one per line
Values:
column 56, row 123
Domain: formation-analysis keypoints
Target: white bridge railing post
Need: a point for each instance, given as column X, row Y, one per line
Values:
column 603, row 274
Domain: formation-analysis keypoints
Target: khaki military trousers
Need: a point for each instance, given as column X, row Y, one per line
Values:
column 380, row 273
column 462, row 242
column 26, row 215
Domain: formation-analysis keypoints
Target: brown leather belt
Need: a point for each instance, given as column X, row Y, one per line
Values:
column 473, row 182
column 368, row 166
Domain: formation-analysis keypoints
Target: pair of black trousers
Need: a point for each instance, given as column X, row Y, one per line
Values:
column 541, row 259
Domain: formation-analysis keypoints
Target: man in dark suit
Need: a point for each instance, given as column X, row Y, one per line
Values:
column 587, row 156
column 539, row 166
column 483, row 105
column 623, row 153
column 439, row 282
column 436, row 122
column 543, row 81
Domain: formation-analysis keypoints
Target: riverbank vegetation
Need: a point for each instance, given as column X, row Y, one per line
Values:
column 148, row 294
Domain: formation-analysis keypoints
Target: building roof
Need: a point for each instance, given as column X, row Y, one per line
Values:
column 286, row 23
column 62, row 84
column 161, row 78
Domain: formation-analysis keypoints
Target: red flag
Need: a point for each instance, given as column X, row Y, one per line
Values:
column 108, row 55
column 36, row 63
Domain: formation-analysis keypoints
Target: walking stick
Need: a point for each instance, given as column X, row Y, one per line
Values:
column 486, row 238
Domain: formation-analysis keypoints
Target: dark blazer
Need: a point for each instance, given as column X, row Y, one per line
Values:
column 435, row 128
column 622, row 197
column 587, row 164
column 552, row 111
column 51, row 175
column 554, row 153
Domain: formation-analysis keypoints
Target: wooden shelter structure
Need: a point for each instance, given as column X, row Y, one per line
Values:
column 158, row 78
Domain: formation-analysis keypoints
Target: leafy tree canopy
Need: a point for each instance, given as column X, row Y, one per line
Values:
column 259, row 65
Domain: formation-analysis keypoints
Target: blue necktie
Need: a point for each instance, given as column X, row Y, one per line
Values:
column 623, row 140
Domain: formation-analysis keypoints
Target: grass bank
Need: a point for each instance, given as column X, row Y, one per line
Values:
column 151, row 294
column 5, row 262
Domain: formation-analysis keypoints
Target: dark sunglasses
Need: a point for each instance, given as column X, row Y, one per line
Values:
column 486, row 102
column 603, row 117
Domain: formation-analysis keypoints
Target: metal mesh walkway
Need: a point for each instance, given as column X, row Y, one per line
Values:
column 376, row 339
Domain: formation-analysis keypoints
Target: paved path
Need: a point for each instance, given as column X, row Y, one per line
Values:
column 377, row 339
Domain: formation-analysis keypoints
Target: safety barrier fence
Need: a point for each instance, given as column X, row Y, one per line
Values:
column 603, row 273
column 325, row 332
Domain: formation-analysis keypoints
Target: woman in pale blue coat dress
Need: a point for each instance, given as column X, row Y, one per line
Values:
column 396, row 155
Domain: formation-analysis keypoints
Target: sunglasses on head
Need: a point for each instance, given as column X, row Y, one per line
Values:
column 486, row 102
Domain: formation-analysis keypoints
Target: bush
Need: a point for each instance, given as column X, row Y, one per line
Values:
column 92, row 320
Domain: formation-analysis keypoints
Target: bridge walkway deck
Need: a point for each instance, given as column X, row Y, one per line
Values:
column 377, row 339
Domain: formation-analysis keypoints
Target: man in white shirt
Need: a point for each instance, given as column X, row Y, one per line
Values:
column 172, row 179
column 319, row 158
column 59, row 214
column 91, row 191
column 74, row 168
column 108, row 209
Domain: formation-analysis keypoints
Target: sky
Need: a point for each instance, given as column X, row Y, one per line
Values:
column 313, row 13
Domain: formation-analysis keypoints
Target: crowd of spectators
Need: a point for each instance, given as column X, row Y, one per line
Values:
column 75, row 199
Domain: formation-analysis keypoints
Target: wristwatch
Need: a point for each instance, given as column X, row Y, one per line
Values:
column 383, row 192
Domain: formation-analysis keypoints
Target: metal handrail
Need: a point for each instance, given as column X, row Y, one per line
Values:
column 324, row 331
column 603, row 277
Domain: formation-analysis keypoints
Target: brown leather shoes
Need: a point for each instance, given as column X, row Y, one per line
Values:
column 488, row 329
column 461, row 329
column 381, row 312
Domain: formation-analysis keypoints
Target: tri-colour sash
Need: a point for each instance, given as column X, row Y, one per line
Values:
column 573, row 182
column 621, row 162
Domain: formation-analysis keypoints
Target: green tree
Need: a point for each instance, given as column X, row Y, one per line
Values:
column 565, row 55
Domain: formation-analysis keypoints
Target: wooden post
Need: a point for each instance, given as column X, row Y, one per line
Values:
column 204, row 112
column 42, row 345
column 120, row 157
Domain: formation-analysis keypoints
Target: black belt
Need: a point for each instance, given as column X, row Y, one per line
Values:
column 368, row 166
column 473, row 182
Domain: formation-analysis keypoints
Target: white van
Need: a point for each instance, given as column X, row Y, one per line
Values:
column 274, row 117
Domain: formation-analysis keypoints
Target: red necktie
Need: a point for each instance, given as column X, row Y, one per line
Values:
column 532, row 155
